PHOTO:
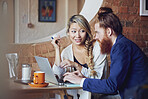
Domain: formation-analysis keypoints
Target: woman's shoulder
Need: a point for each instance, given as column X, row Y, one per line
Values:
column 96, row 45
column 67, row 53
column 67, row 49
column 97, row 51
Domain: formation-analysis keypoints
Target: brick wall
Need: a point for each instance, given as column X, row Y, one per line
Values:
column 26, row 52
column 135, row 27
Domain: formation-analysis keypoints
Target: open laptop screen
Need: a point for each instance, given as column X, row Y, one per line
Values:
column 45, row 66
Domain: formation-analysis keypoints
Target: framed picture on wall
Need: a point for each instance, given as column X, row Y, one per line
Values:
column 47, row 11
column 143, row 7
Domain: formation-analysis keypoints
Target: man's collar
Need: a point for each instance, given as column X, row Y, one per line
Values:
column 118, row 37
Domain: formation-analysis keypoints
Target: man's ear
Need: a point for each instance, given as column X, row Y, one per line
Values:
column 109, row 32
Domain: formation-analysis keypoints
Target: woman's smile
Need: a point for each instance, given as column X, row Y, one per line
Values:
column 78, row 40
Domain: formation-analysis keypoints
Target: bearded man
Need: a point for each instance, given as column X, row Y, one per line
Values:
column 129, row 65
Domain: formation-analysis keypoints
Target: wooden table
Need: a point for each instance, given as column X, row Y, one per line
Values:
column 23, row 90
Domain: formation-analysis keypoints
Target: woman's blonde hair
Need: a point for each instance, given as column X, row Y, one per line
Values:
column 83, row 23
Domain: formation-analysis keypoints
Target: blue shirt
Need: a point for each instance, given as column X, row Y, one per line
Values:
column 129, row 68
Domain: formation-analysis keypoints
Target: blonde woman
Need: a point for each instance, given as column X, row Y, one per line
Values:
column 83, row 54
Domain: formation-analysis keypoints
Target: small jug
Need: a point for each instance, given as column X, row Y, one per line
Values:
column 26, row 71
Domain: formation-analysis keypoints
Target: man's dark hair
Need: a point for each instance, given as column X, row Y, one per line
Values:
column 107, row 19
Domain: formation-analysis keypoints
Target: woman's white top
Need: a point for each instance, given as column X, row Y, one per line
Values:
column 100, row 61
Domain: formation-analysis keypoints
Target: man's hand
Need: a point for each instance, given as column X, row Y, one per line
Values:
column 78, row 73
column 72, row 77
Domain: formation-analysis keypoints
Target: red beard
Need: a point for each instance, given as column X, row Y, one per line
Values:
column 106, row 45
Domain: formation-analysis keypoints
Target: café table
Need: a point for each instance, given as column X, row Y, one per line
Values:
column 24, row 89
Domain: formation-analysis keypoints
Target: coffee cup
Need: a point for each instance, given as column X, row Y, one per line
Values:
column 39, row 77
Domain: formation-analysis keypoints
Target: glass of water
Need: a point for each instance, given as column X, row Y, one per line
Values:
column 13, row 64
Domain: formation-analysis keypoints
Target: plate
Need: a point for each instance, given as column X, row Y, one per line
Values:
column 23, row 81
column 38, row 85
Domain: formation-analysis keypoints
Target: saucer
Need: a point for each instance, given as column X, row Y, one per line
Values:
column 23, row 81
column 38, row 85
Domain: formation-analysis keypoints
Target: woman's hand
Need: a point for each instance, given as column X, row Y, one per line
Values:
column 72, row 77
column 56, row 42
column 67, row 63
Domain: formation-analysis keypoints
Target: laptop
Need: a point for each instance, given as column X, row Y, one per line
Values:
column 45, row 66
